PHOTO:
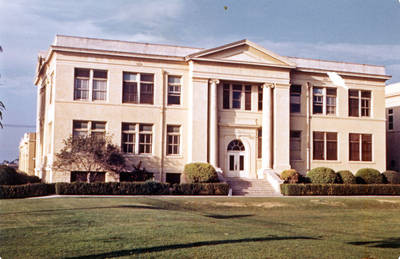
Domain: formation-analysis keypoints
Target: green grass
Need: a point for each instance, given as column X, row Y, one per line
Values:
column 178, row 227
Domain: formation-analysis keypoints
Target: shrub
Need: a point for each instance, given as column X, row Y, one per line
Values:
column 200, row 173
column 8, row 175
column 322, row 175
column 369, row 176
column 291, row 176
column 339, row 189
column 26, row 190
column 346, row 177
column 392, row 177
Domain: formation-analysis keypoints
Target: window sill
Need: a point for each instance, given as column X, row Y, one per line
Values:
column 327, row 161
column 137, row 155
column 361, row 162
column 174, row 156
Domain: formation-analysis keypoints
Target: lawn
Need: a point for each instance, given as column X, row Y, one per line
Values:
column 180, row 227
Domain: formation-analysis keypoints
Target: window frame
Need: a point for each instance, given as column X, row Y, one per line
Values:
column 361, row 100
column 291, row 150
column 140, row 85
column 325, row 142
column 361, row 147
column 324, row 103
column 390, row 119
column 174, row 93
column 294, row 94
column 90, row 91
column 128, row 132
column 174, row 135
column 245, row 96
column 89, row 129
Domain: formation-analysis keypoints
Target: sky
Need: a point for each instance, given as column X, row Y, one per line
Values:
column 360, row 31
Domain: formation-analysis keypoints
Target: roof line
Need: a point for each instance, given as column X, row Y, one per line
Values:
column 335, row 61
column 127, row 41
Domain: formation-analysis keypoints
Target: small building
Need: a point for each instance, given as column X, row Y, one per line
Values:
column 242, row 108
column 27, row 148
column 392, row 95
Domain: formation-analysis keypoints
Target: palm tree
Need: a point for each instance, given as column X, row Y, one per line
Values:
column 2, row 107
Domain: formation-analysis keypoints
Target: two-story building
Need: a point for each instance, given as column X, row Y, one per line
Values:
column 240, row 107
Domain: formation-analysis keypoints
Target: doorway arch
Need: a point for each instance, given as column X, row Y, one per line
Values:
column 236, row 159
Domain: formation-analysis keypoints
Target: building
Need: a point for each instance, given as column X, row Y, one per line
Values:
column 392, row 126
column 240, row 107
column 27, row 148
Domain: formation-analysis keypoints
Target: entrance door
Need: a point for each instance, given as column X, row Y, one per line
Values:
column 236, row 159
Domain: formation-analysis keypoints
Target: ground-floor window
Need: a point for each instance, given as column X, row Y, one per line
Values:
column 132, row 133
column 324, row 145
column 360, row 147
column 82, row 176
column 173, row 178
column 295, row 145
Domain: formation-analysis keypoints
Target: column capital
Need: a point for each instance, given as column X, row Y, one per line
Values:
column 268, row 84
column 214, row 81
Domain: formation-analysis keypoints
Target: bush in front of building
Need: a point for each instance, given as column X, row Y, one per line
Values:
column 291, row 176
column 322, row 175
column 9, row 176
column 200, row 189
column 339, row 189
column 392, row 177
column 200, row 173
column 26, row 190
column 346, row 177
column 369, row 176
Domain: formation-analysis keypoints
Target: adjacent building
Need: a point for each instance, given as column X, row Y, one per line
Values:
column 242, row 108
column 27, row 148
column 392, row 126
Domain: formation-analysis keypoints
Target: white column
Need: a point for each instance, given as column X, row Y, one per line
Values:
column 266, row 127
column 213, row 123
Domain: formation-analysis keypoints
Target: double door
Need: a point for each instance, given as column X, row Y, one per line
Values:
column 236, row 164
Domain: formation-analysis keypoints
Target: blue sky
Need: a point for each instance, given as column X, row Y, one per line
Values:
column 361, row 31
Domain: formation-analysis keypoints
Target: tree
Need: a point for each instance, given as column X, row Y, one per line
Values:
column 2, row 108
column 91, row 154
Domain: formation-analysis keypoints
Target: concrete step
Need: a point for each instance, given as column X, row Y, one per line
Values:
column 251, row 187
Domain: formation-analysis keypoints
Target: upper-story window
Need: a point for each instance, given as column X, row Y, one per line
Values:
column 359, row 103
column 390, row 119
column 324, row 100
column 174, row 90
column 90, row 84
column 295, row 98
column 260, row 97
column 138, row 88
column 237, row 96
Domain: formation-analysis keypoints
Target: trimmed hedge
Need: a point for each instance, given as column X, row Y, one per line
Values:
column 392, row 177
column 26, row 190
column 200, row 189
column 369, row 176
column 322, row 175
column 291, row 176
column 141, row 188
column 200, row 173
column 346, row 177
column 339, row 189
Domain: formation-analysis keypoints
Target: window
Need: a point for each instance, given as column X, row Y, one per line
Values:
column 236, row 96
column 94, row 81
column 173, row 140
column 359, row 103
column 82, row 176
column 138, row 88
column 259, row 144
column 81, row 88
column 295, row 145
column 145, row 138
column 324, row 145
column 331, row 101
column 128, row 137
column 360, row 142
column 247, row 97
column 260, row 97
column 174, row 90
column 83, row 128
column 390, row 119
column 80, row 128
column 324, row 95
column 295, row 98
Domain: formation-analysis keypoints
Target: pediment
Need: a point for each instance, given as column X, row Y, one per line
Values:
column 243, row 52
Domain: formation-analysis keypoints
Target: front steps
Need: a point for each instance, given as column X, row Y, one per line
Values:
column 251, row 187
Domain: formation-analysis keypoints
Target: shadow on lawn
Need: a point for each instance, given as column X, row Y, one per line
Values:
column 218, row 216
column 90, row 208
column 137, row 251
column 385, row 243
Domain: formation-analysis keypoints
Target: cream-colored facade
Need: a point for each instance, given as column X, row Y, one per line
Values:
column 392, row 126
column 27, row 148
column 233, row 109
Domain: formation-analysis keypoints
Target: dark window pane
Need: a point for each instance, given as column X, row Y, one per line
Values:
column 354, row 147
column 247, row 99
column 241, row 163
column 231, row 162
column 226, row 96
